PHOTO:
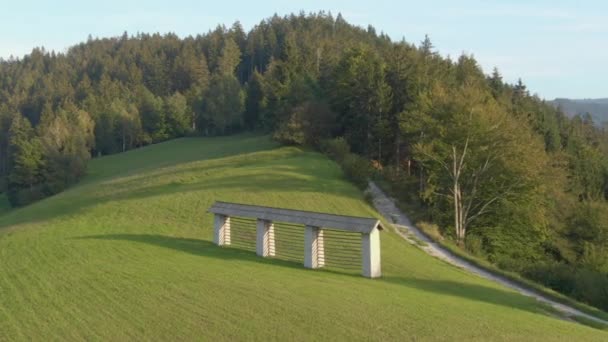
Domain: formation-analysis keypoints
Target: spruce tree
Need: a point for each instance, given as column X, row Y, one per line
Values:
column 26, row 163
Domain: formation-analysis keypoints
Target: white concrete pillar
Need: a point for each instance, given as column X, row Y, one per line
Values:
column 221, row 230
column 265, row 238
column 370, row 253
column 313, row 247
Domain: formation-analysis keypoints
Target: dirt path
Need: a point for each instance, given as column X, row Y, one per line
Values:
column 405, row 228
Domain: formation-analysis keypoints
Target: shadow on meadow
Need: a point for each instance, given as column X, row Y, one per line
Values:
column 469, row 291
column 128, row 165
column 196, row 247
column 176, row 151
column 279, row 179
column 475, row 292
column 263, row 171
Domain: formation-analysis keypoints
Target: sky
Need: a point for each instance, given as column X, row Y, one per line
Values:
column 558, row 48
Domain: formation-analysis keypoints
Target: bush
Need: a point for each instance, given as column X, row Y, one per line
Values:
column 508, row 262
column 431, row 230
column 474, row 244
column 559, row 277
column 20, row 197
column 368, row 197
column 357, row 169
column 584, row 284
column 290, row 132
column 591, row 287
column 306, row 124
column 336, row 148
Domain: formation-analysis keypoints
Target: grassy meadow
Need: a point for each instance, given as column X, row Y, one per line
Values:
column 127, row 254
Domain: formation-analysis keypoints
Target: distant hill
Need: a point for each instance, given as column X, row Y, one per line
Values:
column 598, row 108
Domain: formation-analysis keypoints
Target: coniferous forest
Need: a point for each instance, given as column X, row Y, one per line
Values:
column 499, row 171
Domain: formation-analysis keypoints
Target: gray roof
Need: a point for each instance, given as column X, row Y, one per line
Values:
column 311, row 218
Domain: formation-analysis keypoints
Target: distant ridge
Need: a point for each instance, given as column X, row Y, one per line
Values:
column 598, row 108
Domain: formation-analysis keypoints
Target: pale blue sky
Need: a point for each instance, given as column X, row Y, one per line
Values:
column 559, row 48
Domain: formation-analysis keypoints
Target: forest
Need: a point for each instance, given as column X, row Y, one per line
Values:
column 502, row 173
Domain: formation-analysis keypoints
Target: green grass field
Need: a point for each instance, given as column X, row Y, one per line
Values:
column 127, row 254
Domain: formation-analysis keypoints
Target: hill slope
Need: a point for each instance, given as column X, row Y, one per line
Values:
column 127, row 254
column 598, row 108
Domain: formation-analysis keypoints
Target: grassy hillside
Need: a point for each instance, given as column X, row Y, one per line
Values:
column 127, row 255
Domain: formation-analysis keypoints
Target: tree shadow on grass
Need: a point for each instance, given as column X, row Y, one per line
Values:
column 142, row 160
column 282, row 179
column 194, row 246
column 206, row 248
column 475, row 292
column 208, row 148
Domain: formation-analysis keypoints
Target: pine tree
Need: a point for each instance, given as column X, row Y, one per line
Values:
column 67, row 139
column 154, row 120
column 127, row 124
column 426, row 47
column 229, row 59
column 26, row 163
column 224, row 105
column 255, row 101
column 362, row 98
column 496, row 83
column 5, row 125
column 178, row 114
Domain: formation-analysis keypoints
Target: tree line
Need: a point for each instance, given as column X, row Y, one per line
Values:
column 500, row 171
